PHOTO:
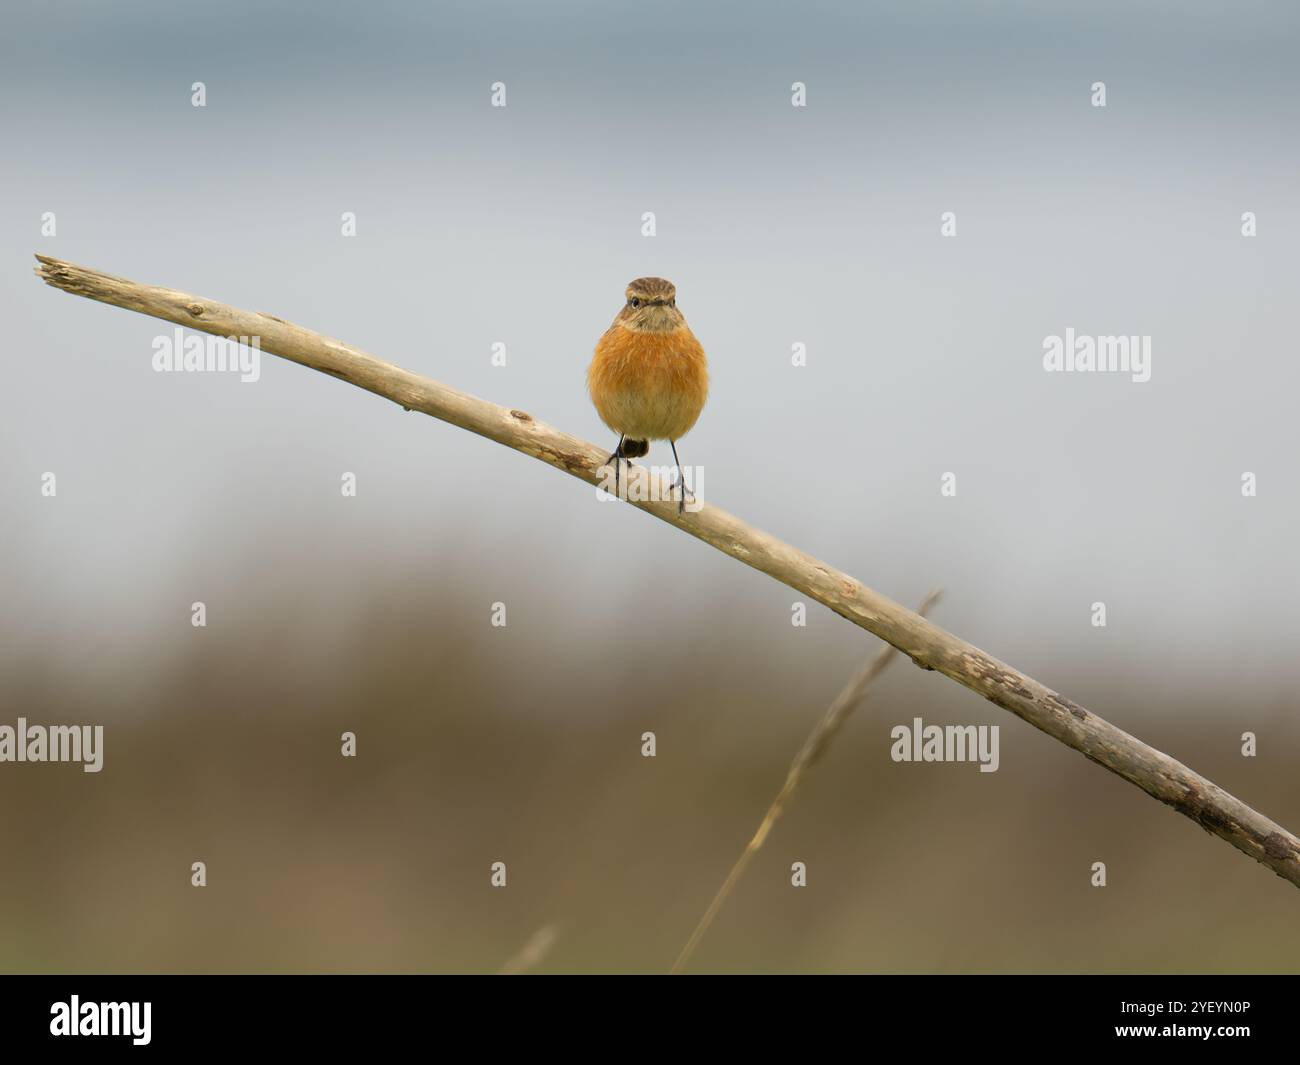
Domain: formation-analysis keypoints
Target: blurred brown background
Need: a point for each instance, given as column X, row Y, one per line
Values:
column 522, row 744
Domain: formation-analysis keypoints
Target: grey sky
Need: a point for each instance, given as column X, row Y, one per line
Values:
column 778, row 225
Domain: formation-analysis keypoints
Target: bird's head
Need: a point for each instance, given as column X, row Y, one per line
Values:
column 651, row 306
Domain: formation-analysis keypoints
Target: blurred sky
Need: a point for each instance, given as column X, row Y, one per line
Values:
column 779, row 225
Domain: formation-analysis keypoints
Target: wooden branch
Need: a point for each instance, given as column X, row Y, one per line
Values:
column 929, row 646
column 814, row 747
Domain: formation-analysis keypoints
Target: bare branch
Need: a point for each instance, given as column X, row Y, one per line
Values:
column 814, row 747
column 929, row 646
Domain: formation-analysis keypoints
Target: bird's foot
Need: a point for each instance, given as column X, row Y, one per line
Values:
column 678, row 483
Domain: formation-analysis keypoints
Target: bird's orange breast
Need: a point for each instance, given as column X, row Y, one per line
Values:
column 649, row 385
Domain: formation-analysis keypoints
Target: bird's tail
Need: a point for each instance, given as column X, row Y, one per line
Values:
column 634, row 449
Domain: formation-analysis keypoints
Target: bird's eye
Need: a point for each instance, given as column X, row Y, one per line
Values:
column 635, row 302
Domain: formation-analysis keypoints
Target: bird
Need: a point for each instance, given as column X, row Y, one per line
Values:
column 649, row 378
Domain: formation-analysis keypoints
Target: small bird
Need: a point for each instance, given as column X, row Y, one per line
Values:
column 650, row 378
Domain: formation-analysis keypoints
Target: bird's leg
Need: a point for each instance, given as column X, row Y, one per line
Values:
column 679, row 481
column 616, row 456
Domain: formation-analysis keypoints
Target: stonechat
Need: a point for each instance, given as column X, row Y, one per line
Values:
column 649, row 379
